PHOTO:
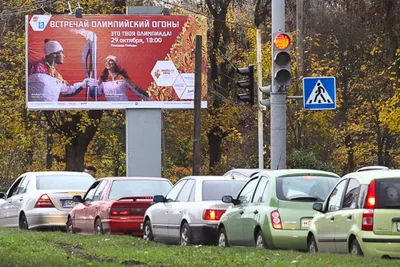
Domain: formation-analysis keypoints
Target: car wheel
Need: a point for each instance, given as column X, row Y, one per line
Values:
column 355, row 248
column 222, row 238
column 23, row 223
column 69, row 226
column 185, row 235
column 312, row 245
column 260, row 240
column 98, row 227
column 147, row 232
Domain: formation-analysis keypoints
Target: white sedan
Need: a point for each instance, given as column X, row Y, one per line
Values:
column 190, row 212
column 39, row 200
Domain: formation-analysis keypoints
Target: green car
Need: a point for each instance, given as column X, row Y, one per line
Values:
column 274, row 209
column 361, row 216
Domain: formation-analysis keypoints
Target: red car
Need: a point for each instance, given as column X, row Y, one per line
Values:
column 115, row 205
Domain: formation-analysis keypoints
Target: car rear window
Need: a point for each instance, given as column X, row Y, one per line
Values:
column 216, row 189
column 387, row 193
column 138, row 188
column 64, row 182
column 304, row 188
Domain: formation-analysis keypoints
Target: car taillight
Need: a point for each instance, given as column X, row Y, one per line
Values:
column 276, row 220
column 44, row 201
column 212, row 215
column 368, row 215
column 119, row 212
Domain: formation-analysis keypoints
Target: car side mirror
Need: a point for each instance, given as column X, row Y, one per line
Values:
column 158, row 198
column 2, row 194
column 230, row 199
column 318, row 207
column 227, row 199
column 77, row 198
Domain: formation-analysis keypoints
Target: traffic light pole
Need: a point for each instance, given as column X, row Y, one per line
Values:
column 278, row 98
column 260, row 107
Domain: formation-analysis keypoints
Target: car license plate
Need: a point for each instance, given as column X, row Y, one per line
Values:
column 305, row 223
column 68, row 203
column 398, row 227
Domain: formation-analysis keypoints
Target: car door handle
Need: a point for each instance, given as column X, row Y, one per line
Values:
column 179, row 211
column 332, row 219
column 21, row 199
column 349, row 217
column 241, row 212
column 166, row 212
column 255, row 212
column 9, row 201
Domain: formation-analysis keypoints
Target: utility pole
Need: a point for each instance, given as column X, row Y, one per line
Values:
column 197, row 106
column 278, row 98
column 260, row 107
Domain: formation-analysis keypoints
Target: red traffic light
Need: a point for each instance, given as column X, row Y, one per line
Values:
column 282, row 41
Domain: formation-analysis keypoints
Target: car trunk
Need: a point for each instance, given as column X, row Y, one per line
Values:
column 295, row 215
column 61, row 199
column 386, row 218
column 131, row 206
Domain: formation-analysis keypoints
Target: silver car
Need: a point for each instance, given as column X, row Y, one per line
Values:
column 190, row 212
column 42, row 199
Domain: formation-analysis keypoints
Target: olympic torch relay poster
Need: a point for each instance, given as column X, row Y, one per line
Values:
column 113, row 61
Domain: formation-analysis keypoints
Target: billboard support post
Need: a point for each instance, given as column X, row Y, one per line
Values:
column 143, row 128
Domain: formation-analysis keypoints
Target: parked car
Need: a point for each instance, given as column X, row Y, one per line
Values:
column 274, row 209
column 361, row 216
column 115, row 205
column 190, row 212
column 42, row 199
column 242, row 172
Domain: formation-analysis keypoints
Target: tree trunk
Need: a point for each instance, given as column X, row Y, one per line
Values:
column 76, row 149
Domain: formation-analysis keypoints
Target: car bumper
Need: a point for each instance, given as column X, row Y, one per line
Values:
column 287, row 239
column 204, row 234
column 379, row 245
column 124, row 225
column 46, row 218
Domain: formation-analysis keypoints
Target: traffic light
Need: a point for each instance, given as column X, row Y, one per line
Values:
column 248, row 84
column 266, row 90
column 281, row 58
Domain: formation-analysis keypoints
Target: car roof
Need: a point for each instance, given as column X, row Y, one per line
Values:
column 53, row 173
column 367, row 176
column 214, row 178
column 133, row 178
column 289, row 172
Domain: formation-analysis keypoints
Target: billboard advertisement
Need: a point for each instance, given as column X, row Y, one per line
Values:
column 113, row 61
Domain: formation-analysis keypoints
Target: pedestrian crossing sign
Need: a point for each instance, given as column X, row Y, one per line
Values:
column 319, row 93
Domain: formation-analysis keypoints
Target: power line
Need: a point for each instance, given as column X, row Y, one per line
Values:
column 205, row 15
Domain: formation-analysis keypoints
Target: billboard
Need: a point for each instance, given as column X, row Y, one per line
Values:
column 113, row 61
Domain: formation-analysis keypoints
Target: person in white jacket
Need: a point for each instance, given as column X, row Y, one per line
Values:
column 114, row 82
column 45, row 83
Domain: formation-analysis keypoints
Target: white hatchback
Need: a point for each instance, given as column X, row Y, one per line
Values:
column 190, row 212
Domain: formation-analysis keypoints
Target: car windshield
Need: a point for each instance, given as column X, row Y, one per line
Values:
column 388, row 193
column 304, row 187
column 138, row 188
column 216, row 189
column 62, row 182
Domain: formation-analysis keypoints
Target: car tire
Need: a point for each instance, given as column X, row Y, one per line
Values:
column 23, row 222
column 69, row 226
column 185, row 238
column 147, row 232
column 98, row 227
column 222, row 238
column 355, row 248
column 260, row 240
column 312, row 246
